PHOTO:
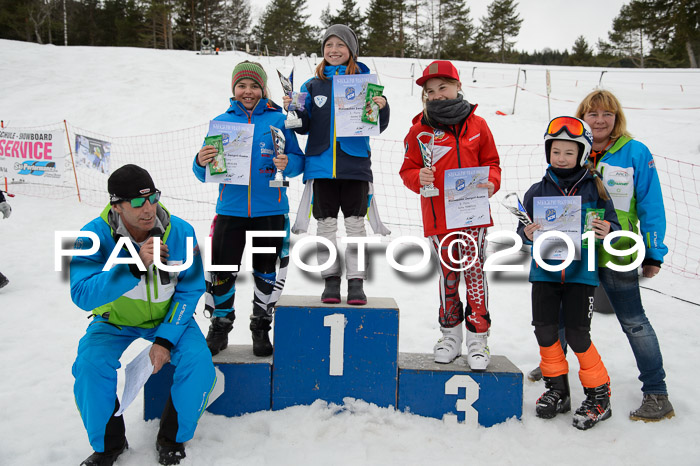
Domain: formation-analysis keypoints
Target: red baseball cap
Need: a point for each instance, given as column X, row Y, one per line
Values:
column 438, row 69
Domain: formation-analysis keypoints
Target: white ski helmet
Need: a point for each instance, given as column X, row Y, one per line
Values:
column 568, row 128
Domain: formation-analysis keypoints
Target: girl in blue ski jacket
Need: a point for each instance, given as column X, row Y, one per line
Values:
column 340, row 168
column 252, row 207
column 569, row 291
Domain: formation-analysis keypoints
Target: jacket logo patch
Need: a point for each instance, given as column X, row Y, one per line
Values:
column 475, row 136
column 439, row 134
column 320, row 100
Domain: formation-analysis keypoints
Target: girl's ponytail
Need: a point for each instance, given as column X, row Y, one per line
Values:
column 598, row 178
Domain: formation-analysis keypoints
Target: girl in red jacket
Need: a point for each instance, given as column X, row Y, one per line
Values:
column 461, row 140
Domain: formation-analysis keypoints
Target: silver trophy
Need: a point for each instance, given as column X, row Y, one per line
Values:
column 292, row 121
column 278, row 141
column 515, row 207
column 426, row 151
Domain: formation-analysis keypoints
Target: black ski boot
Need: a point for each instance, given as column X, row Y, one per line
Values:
column 595, row 408
column 169, row 453
column 331, row 294
column 106, row 458
column 217, row 338
column 260, row 329
column 556, row 399
column 3, row 280
column 356, row 294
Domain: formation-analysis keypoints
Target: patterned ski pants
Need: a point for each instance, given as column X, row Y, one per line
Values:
column 457, row 252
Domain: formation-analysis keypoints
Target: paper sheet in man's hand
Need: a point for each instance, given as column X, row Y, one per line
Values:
column 136, row 374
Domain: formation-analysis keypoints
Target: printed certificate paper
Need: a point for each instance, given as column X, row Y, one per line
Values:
column 349, row 100
column 561, row 213
column 238, row 147
column 465, row 204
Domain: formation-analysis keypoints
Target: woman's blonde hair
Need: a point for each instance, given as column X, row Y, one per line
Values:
column 424, row 94
column 350, row 68
column 607, row 101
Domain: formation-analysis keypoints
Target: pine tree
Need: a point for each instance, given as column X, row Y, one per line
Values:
column 349, row 14
column 382, row 36
column 581, row 53
column 415, row 28
column 237, row 22
column 629, row 36
column 459, row 31
column 501, row 24
column 284, row 28
column 676, row 29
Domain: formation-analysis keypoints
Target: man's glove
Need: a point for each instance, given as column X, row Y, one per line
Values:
column 5, row 209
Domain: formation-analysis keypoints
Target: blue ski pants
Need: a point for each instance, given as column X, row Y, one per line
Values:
column 95, row 372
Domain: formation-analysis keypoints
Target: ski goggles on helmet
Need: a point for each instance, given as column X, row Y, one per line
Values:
column 138, row 202
column 572, row 126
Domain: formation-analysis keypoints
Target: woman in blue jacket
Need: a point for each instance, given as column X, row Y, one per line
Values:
column 629, row 172
column 568, row 143
column 340, row 168
column 255, row 207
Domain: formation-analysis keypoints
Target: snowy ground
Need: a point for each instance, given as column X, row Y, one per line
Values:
column 135, row 91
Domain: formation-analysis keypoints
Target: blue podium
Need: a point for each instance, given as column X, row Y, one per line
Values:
column 456, row 394
column 246, row 384
column 330, row 352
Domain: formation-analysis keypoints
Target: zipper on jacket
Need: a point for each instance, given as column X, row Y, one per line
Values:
column 250, row 168
column 334, row 137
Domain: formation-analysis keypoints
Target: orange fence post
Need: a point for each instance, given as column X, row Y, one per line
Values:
column 70, row 148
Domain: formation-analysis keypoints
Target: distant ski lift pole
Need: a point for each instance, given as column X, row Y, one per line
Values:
column 517, row 84
column 549, row 91
column 601, row 77
column 413, row 75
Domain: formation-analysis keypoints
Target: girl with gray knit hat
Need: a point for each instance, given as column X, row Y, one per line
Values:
column 337, row 170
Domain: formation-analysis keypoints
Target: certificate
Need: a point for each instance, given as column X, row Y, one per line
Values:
column 561, row 213
column 348, row 101
column 238, row 147
column 465, row 204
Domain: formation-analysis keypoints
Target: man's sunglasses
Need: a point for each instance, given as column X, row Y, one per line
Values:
column 137, row 202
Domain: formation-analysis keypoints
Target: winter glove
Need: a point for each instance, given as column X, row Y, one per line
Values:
column 5, row 209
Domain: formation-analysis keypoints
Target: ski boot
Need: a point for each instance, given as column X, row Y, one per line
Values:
column 106, row 458
column 169, row 453
column 595, row 408
column 260, row 329
column 449, row 347
column 478, row 354
column 331, row 293
column 556, row 399
column 356, row 294
column 217, row 337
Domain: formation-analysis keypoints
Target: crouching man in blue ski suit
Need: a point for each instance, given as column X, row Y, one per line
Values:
column 128, row 304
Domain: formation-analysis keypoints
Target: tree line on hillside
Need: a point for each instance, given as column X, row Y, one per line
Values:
column 645, row 33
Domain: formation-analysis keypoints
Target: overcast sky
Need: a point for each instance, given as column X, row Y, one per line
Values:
column 553, row 24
